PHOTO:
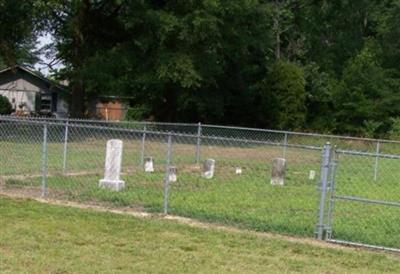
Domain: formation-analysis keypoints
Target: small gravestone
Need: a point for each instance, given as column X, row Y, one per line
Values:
column 112, row 169
column 311, row 175
column 238, row 170
column 172, row 174
column 278, row 171
column 208, row 168
column 148, row 164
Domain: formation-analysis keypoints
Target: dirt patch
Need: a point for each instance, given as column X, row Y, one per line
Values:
column 25, row 191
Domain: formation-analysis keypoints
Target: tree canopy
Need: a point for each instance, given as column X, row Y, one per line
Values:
column 330, row 66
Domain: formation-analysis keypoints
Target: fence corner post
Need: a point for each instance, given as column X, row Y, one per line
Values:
column 44, row 159
column 166, row 179
column 325, row 165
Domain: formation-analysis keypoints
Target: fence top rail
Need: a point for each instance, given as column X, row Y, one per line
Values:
column 88, row 126
column 77, row 120
column 160, row 133
column 88, row 121
column 370, row 154
column 304, row 134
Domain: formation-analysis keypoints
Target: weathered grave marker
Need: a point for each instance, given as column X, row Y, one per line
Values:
column 278, row 171
column 208, row 168
column 311, row 175
column 238, row 170
column 112, row 168
column 148, row 164
column 172, row 174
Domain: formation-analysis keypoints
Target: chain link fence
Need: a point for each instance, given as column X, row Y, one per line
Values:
column 364, row 206
column 346, row 192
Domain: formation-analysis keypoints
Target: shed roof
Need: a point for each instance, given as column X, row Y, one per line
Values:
column 34, row 74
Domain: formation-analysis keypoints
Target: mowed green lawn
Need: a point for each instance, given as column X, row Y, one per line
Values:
column 41, row 238
column 247, row 200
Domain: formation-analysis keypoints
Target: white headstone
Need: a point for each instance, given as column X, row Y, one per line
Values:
column 112, row 168
column 172, row 174
column 208, row 168
column 278, row 171
column 311, row 175
column 238, row 170
column 148, row 164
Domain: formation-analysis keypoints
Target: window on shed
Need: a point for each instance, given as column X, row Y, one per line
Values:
column 46, row 102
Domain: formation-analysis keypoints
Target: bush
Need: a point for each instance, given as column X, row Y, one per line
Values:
column 394, row 132
column 287, row 90
column 5, row 106
column 137, row 113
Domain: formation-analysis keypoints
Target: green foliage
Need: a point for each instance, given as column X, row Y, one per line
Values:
column 320, row 89
column 20, row 23
column 137, row 113
column 367, row 93
column 286, row 87
column 5, row 105
column 394, row 132
column 219, row 61
column 370, row 128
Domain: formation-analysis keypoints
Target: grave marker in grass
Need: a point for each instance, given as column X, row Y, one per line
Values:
column 311, row 175
column 148, row 164
column 112, row 169
column 278, row 171
column 208, row 168
column 172, row 174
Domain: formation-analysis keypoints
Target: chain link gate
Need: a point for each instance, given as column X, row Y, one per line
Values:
column 356, row 208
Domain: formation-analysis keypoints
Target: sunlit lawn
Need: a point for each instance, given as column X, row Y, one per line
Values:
column 39, row 238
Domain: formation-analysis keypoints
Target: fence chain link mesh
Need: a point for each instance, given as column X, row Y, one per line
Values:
column 345, row 191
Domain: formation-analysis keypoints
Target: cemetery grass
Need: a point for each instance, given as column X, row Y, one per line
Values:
column 247, row 201
column 42, row 238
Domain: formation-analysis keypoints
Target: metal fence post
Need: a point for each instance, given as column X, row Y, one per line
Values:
column 285, row 140
column 334, row 163
column 378, row 148
column 198, row 145
column 44, row 160
column 65, row 147
column 319, row 231
column 166, row 179
column 143, row 146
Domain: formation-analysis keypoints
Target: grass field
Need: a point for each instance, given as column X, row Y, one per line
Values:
column 41, row 238
column 247, row 201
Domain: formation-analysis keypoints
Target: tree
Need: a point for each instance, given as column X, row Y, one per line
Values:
column 19, row 27
column 5, row 105
column 286, row 93
column 320, row 96
column 186, row 61
column 334, row 31
column 280, row 63
column 368, row 93
column 82, row 28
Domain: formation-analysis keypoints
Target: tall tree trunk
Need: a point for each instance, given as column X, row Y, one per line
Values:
column 78, row 98
column 277, row 29
column 77, row 102
column 278, row 45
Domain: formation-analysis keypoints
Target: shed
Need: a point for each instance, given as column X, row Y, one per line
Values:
column 30, row 92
